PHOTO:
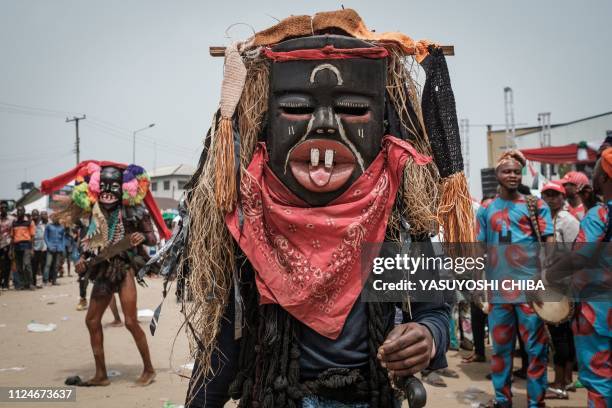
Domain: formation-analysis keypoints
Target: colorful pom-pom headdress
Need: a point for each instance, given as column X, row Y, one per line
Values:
column 135, row 186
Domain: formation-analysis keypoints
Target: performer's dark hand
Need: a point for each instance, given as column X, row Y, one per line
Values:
column 407, row 349
column 136, row 238
column 80, row 266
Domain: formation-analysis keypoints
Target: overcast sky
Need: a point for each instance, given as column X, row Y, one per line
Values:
column 126, row 64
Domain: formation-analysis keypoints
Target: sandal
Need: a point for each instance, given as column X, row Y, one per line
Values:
column 496, row 404
column 474, row 358
column 76, row 380
column 466, row 345
column 447, row 372
column 432, row 378
column 556, row 393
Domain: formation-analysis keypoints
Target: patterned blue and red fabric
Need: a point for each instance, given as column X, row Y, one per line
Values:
column 505, row 319
column 512, row 248
column 592, row 324
column 507, row 223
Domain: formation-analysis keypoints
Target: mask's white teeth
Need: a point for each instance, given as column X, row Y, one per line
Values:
column 329, row 158
column 314, row 157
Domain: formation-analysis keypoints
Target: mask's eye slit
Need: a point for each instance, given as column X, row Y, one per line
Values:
column 351, row 108
column 296, row 108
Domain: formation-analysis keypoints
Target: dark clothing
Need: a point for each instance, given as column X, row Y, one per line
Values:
column 39, row 260
column 110, row 275
column 51, row 265
column 479, row 320
column 563, row 343
column 319, row 353
column 23, row 232
column 5, row 267
column 436, row 317
column 350, row 349
column 214, row 393
column 23, row 260
column 83, row 283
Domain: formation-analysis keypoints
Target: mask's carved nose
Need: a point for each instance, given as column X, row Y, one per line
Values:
column 324, row 121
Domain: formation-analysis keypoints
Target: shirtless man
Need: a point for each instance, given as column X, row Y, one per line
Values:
column 116, row 275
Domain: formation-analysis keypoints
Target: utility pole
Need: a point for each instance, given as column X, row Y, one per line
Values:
column 134, row 140
column 545, row 138
column 509, row 110
column 465, row 145
column 77, row 149
column 154, row 155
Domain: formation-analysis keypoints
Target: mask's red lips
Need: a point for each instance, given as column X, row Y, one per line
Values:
column 107, row 198
column 321, row 165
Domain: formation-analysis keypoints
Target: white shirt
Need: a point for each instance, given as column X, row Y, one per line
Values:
column 566, row 228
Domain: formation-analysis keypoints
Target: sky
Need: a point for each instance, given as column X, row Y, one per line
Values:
column 127, row 64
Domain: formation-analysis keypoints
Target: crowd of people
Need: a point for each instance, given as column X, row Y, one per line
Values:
column 34, row 249
column 572, row 211
column 271, row 241
column 37, row 249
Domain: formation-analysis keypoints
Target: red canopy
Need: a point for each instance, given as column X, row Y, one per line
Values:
column 558, row 154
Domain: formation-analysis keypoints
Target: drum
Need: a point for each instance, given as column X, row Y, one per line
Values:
column 555, row 312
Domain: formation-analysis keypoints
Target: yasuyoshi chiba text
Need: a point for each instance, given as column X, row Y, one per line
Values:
column 456, row 284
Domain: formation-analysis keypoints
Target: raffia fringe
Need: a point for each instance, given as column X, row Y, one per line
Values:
column 225, row 167
column 455, row 210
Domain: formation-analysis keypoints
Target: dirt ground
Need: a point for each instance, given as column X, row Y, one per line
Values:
column 46, row 359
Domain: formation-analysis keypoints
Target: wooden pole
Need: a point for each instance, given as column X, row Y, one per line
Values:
column 216, row 51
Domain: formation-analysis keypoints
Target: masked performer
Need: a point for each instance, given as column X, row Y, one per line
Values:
column 117, row 201
column 320, row 146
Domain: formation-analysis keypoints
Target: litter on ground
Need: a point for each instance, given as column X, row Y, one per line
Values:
column 3, row 370
column 41, row 328
column 145, row 313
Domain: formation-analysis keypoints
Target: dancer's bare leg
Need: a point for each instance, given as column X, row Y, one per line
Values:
column 127, row 296
column 113, row 307
column 97, row 306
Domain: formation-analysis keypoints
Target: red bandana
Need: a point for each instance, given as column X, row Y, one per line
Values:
column 308, row 259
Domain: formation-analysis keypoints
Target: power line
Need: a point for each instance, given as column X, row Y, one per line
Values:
column 151, row 143
column 18, row 112
column 152, row 140
column 14, row 168
column 125, row 138
column 495, row 124
column 103, row 126
column 34, row 155
column 58, row 112
column 107, row 123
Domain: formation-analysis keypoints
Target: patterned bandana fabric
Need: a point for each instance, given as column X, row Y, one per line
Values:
column 309, row 259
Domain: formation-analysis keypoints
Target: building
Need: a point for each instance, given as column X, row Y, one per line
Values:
column 169, row 182
column 591, row 130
